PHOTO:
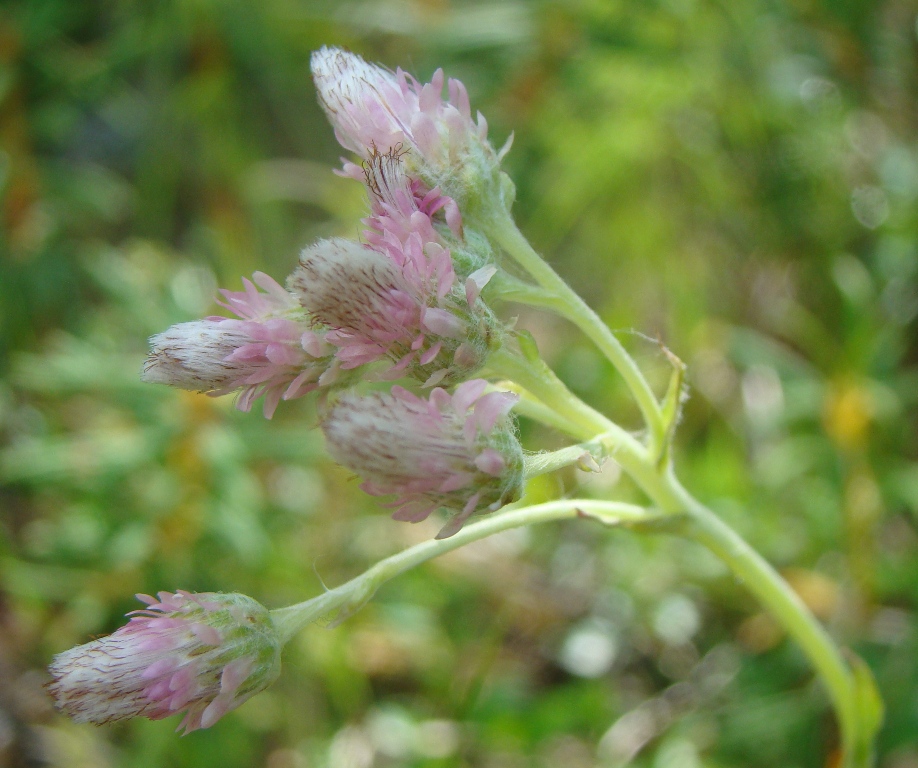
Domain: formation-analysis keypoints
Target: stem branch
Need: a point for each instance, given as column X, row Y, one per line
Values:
column 351, row 595
column 761, row 579
column 575, row 309
column 703, row 526
column 585, row 422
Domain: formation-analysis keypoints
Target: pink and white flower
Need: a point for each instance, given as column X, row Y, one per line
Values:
column 375, row 109
column 458, row 452
column 402, row 305
column 403, row 210
column 398, row 297
column 269, row 351
column 401, row 206
column 202, row 654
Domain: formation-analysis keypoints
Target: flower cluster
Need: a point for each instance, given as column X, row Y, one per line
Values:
column 403, row 302
column 203, row 654
column 398, row 297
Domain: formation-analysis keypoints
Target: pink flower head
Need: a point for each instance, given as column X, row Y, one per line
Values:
column 402, row 304
column 202, row 654
column 458, row 452
column 270, row 350
column 402, row 211
column 373, row 108
column 400, row 206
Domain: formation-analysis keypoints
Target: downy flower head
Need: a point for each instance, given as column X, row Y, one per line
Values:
column 269, row 351
column 404, row 306
column 402, row 206
column 458, row 452
column 398, row 298
column 373, row 108
column 202, row 654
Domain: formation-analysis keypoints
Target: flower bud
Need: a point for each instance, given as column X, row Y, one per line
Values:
column 202, row 654
column 399, row 205
column 459, row 452
column 269, row 351
column 399, row 297
column 374, row 109
column 403, row 305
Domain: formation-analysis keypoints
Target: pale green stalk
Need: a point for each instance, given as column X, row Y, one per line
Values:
column 586, row 423
column 760, row 578
column 568, row 303
column 531, row 407
column 349, row 597
column 702, row 525
column 652, row 470
column 543, row 463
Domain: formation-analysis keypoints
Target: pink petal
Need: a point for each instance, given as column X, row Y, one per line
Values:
column 467, row 394
column 206, row 634
column 425, row 135
column 158, row 668
column 465, row 355
column 490, row 462
column 431, row 353
column 477, row 281
column 216, row 709
column 492, row 407
column 181, row 679
column 443, row 323
column 413, row 513
column 455, row 524
column 434, row 379
column 459, row 96
column 272, row 398
column 281, row 354
column 453, row 217
column 300, row 385
column 235, row 673
column 191, row 722
column 483, row 131
column 455, row 481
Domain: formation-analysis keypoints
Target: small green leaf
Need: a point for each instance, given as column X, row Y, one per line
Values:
column 868, row 701
column 528, row 346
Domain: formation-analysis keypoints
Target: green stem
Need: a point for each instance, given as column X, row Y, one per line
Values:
column 509, row 288
column 531, row 407
column 504, row 230
column 703, row 526
column 585, row 422
column 760, row 578
column 536, row 377
column 583, row 454
column 350, row 596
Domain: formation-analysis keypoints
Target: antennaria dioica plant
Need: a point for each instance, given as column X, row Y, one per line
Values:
column 414, row 300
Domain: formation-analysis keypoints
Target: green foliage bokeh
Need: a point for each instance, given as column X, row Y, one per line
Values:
column 735, row 181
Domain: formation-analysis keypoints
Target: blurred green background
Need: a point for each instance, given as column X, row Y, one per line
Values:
column 738, row 180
